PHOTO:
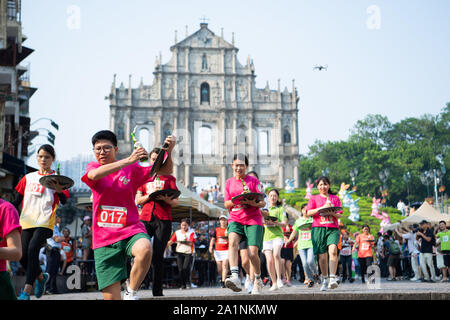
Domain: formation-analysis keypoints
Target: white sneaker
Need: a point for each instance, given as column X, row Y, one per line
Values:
column 280, row 283
column 333, row 283
column 257, row 286
column 413, row 279
column 274, row 287
column 251, row 286
column 324, row 285
column 130, row 295
column 233, row 283
column 247, row 282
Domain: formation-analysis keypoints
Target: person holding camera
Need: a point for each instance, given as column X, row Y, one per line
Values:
column 427, row 239
column 413, row 250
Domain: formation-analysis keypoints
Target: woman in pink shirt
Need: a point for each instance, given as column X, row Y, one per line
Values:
column 116, row 229
column 245, row 221
column 325, row 231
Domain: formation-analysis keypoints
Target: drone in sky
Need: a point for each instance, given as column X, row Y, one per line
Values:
column 320, row 68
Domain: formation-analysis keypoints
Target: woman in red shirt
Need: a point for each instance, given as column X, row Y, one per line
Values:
column 219, row 243
column 364, row 243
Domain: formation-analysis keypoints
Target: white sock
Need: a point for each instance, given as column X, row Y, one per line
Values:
column 131, row 291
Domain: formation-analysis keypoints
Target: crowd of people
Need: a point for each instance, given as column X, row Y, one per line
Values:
column 254, row 245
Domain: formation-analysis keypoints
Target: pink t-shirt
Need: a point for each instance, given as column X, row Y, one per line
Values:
column 245, row 216
column 114, row 213
column 318, row 201
column 9, row 221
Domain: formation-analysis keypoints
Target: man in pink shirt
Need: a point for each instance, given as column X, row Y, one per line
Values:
column 116, row 229
column 245, row 222
column 10, row 247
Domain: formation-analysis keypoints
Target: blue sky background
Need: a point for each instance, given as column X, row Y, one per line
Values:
column 399, row 70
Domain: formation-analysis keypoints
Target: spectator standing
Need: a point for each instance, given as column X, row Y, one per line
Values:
column 413, row 251
column 54, row 256
column 391, row 251
column 346, row 257
column 86, row 242
column 443, row 250
column 68, row 247
column 427, row 240
column 401, row 207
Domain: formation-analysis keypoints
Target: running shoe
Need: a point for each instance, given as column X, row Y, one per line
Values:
column 288, row 284
column 250, row 286
column 280, row 283
column 247, row 282
column 324, row 285
column 39, row 286
column 257, row 286
column 311, row 284
column 333, row 283
column 23, row 295
column 233, row 283
column 130, row 295
column 274, row 287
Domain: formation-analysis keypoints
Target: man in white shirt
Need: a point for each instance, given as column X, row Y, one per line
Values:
column 413, row 250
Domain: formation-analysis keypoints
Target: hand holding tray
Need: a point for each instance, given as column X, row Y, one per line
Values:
column 329, row 211
column 172, row 193
column 50, row 180
column 248, row 196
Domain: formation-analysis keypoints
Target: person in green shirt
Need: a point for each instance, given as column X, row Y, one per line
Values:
column 302, row 226
column 443, row 250
column 274, row 239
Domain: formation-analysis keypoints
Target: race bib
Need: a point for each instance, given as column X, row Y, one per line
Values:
column 365, row 246
column 222, row 240
column 445, row 239
column 346, row 251
column 35, row 188
column 111, row 217
column 155, row 186
column 326, row 219
column 306, row 236
column 237, row 207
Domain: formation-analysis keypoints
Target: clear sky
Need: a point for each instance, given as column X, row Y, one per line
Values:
column 387, row 57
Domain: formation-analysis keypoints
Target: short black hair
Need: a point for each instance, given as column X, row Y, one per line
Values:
column 105, row 135
column 185, row 220
column 254, row 173
column 49, row 149
column 442, row 221
column 240, row 156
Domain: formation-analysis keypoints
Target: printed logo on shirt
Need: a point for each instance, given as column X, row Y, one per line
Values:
column 155, row 186
column 124, row 180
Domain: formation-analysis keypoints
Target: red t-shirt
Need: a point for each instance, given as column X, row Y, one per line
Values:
column 287, row 233
column 221, row 241
column 161, row 210
column 364, row 245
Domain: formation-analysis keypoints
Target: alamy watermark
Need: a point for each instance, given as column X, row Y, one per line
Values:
column 373, row 21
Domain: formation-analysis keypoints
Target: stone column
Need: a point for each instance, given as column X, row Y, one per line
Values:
column 187, row 175
column 128, row 125
column 281, row 174
column 296, row 174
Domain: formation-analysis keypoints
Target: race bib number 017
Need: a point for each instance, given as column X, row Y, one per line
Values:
column 35, row 188
column 111, row 217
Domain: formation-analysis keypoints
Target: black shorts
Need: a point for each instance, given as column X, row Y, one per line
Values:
column 287, row 254
column 243, row 244
column 446, row 258
column 393, row 260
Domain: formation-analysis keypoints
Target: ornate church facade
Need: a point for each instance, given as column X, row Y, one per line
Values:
column 209, row 101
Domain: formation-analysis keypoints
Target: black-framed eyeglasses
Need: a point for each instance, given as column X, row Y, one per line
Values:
column 106, row 149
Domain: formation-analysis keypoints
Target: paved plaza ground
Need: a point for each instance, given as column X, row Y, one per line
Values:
column 397, row 290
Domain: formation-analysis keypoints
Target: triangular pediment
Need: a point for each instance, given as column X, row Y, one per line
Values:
column 203, row 38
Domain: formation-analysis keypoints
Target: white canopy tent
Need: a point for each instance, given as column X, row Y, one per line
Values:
column 425, row 212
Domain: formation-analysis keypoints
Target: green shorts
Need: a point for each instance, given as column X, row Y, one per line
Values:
column 111, row 261
column 322, row 237
column 7, row 291
column 254, row 234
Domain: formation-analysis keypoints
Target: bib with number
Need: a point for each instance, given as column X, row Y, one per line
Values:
column 306, row 236
column 35, row 188
column 326, row 219
column 365, row 246
column 111, row 217
column 445, row 239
